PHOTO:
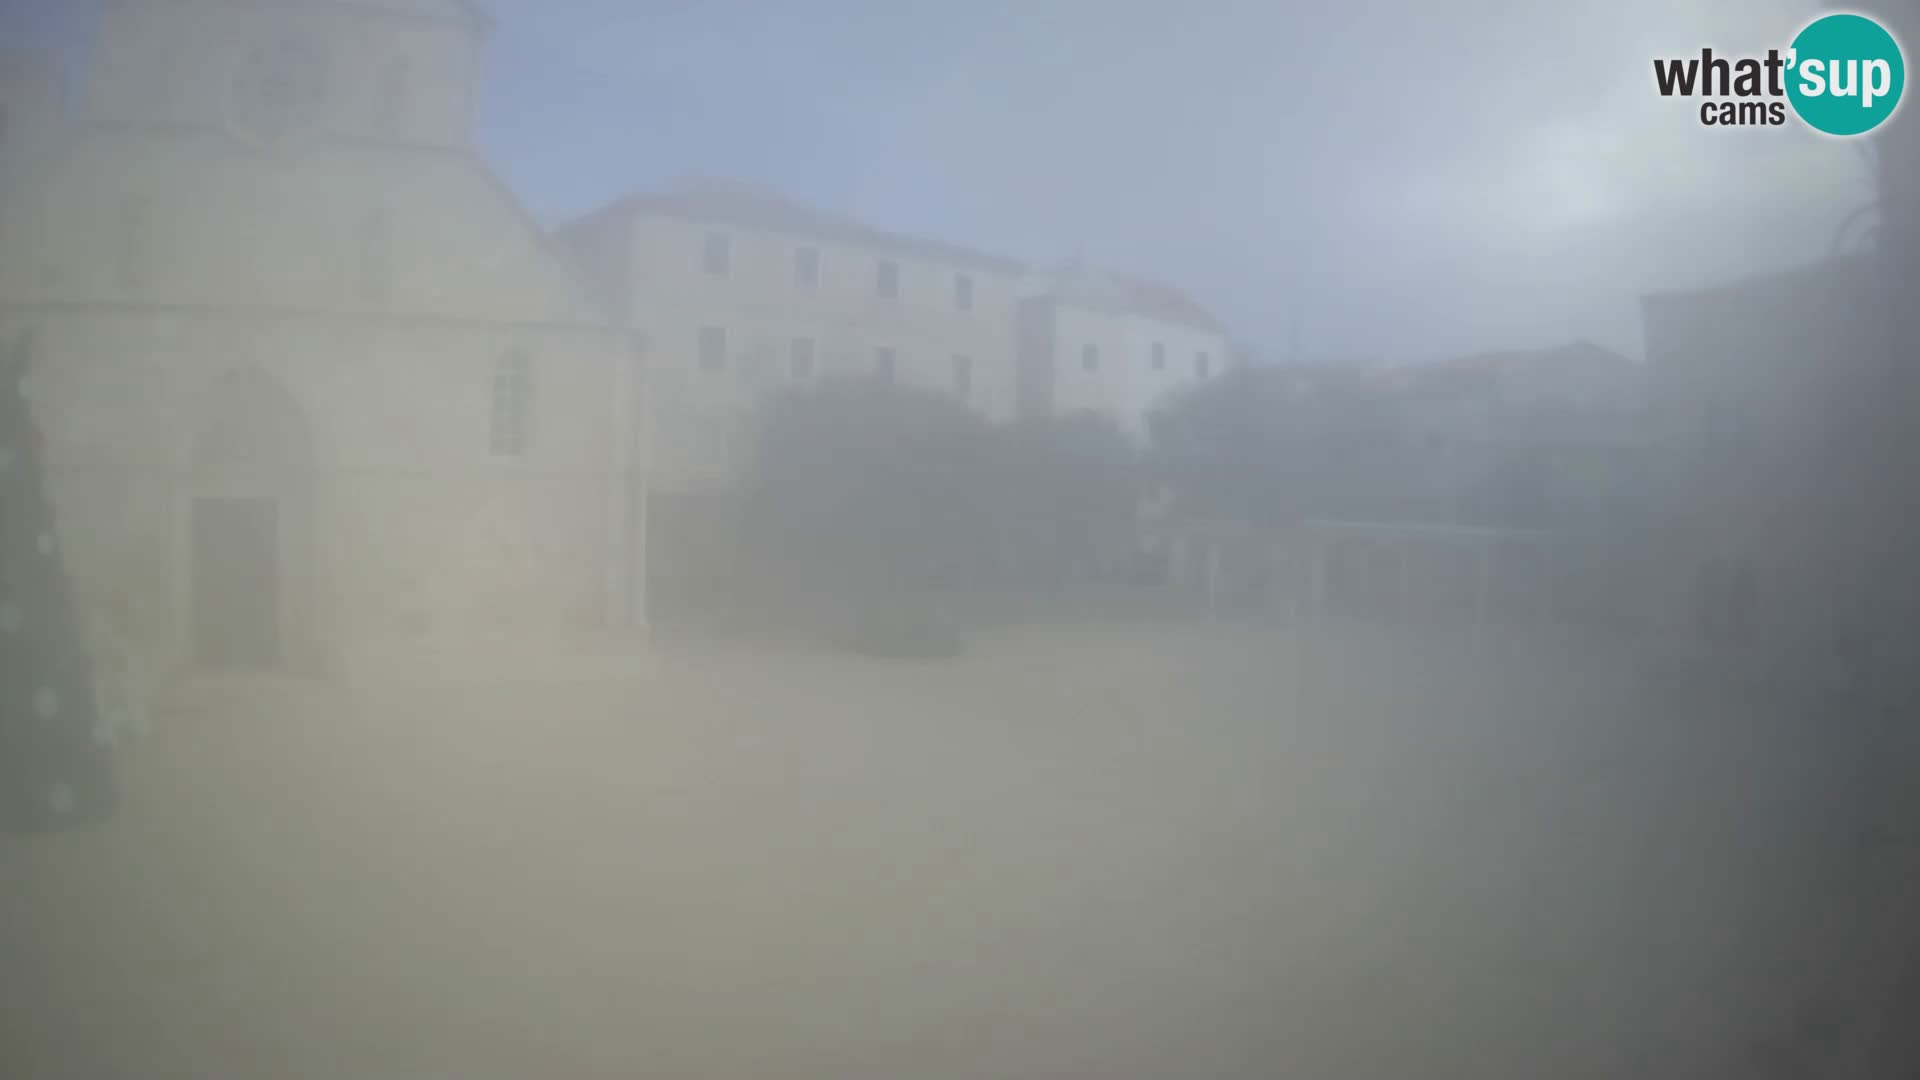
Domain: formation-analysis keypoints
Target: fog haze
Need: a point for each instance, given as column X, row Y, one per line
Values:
column 1494, row 175
column 901, row 539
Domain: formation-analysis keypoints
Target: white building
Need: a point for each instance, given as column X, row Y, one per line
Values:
column 1112, row 344
column 738, row 293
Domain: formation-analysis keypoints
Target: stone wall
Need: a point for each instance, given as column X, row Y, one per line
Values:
column 399, row 521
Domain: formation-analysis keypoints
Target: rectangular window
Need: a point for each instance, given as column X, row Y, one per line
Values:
column 718, row 258
column 963, row 293
column 884, row 364
column 1089, row 357
column 806, row 267
column 963, row 376
column 512, row 405
column 1159, row 356
column 713, row 348
column 1202, row 365
column 887, row 279
column 800, row 358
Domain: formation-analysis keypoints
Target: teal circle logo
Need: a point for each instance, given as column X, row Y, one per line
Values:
column 1846, row 74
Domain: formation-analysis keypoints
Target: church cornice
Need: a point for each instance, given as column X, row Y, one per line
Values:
column 308, row 142
column 466, row 13
column 581, row 288
column 260, row 312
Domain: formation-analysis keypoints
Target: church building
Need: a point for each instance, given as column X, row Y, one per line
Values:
column 312, row 385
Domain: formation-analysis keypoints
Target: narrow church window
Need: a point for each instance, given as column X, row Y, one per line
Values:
column 512, row 404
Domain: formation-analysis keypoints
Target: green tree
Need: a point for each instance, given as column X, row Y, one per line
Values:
column 870, row 496
column 53, row 770
column 871, row 502
column 1063, row 488
column 1270, row 446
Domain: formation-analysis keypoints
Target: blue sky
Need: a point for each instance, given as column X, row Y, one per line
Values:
column 1390, row 178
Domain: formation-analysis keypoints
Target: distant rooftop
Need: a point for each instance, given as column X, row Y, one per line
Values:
column 719, row 202
column 1841, row 271
column 1077, row 283
column 722, row 202
column 1475, row 371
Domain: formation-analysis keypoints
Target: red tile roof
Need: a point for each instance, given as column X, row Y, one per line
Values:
column 1480, row 371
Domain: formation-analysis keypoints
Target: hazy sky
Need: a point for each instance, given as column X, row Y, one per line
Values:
column 1403, row 178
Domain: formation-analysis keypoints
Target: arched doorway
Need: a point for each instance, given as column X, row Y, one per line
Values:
column 248, row 522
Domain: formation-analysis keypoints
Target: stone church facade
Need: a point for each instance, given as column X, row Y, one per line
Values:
column 311, row 384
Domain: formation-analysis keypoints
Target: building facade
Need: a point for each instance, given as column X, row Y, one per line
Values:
column 310, row 381
column 1542, row 439
column 1112, row 344
column 1755, row 387
column 734, row 295
column 738, row 294
column 1536, row 437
